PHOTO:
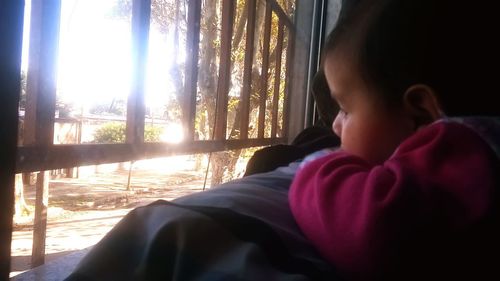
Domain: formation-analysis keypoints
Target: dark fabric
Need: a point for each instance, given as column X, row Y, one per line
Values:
column 316, row 138
column 271, row 157
column 241, row 230
column 306, row 142
column 252, row 230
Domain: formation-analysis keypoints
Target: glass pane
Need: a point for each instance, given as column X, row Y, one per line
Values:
column 208, row 68
column 165, row 71
column 273, row 58
column 257, row 68
column 283, row 81
column 94, row 71
column 238, row 61
column 24, row 70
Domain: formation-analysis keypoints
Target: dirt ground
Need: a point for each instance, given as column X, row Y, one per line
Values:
column 82, row 210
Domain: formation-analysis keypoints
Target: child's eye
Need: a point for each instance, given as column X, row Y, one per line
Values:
column 342, row 112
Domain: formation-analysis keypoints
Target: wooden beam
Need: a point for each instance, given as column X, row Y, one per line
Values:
column 141, row 11
column 11, row 30
column 247, row 74
column 33, row 158
column 41, row 102
column 265, row 69
column 277, row 80
column 42, row 70
column 228, row 11
column 191, row 79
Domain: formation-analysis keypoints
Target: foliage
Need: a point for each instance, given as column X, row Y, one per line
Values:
column 114, row 132
column 170, row 18
column 110, row 133
column 116, row 107
column 152, row 133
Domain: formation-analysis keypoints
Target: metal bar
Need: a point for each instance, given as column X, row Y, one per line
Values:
column 265, row 68
column 141, row 11
column 317, row 35
column 33, row 158
column 228, row 11
column 40, row 223
column 191, row 79
column 277, row 80
column 11, row 28
column 247, row 74
column 289, row 71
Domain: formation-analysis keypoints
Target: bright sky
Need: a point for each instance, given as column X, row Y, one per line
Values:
column 94, row 55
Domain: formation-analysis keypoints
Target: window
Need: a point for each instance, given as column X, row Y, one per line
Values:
column 125, row 80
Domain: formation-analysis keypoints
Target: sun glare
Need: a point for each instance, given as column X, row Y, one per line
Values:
column 94, row 61
column 173, row 133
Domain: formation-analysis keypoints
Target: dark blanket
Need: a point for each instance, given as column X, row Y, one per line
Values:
column 242, row 230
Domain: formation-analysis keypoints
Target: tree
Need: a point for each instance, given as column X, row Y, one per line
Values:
column 171, row 17
column 114, row 132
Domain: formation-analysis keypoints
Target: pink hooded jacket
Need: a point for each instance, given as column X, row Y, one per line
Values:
column 430, row 212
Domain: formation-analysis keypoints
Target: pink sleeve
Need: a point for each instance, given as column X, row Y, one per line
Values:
column 363, row 218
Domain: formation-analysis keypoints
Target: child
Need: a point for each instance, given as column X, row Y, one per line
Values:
column 413, row 193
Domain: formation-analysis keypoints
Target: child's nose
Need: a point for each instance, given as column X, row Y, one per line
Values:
column 337, row 126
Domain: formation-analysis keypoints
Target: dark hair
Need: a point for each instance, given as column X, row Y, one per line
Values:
column 326, row 107
column 445, row 44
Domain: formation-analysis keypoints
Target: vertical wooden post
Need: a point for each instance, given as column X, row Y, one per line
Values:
column 277, row 80
column 247, row 74
column 228, row 9
column 40, row 225
column 41, row 103
column 191, row 79
column 265, row 68
column 11, row 30
column 141, row 12
column 42, row 71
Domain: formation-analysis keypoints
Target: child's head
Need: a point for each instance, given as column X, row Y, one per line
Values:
column 397, row 65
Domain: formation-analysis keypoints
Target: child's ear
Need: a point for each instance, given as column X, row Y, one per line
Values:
column 421, row 104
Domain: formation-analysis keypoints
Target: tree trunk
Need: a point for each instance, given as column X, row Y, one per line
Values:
column 21, row 208
column 175, row 69
column 207, row 79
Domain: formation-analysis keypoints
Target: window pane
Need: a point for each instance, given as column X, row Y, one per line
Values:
column 283, row 83
column 94, row 71
column 273, row 58
column 24, row 71
column 257, row 76
column 165, row 71
column 238, row 62
column 208, row 65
